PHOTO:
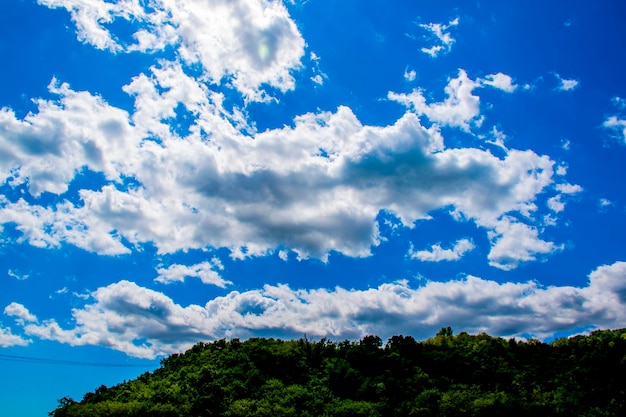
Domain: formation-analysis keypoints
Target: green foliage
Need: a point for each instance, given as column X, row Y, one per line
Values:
column 447, row 375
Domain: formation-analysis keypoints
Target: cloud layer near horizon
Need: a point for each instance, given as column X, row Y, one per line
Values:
column 145, row 323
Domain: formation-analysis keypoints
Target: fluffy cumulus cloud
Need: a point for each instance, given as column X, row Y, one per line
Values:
column 514, row 243
column 76, row 130
column 461, row 108
column 8, row 339
column 437, row 254
column 20, row 312
column 313, row 187
column 252, row 42
column 146, row 323
column 22, row 316
column 564, row 190
column 556, row 204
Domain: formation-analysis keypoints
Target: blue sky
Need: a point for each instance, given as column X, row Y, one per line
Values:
column 173, row 172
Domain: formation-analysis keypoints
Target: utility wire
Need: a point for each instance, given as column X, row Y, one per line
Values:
column 48, row 361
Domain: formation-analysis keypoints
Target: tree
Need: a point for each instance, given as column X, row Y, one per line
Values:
column 445, row 331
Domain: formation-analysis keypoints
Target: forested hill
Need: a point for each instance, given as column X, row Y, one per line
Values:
column 447, row 375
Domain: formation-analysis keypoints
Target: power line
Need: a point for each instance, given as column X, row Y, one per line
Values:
column 49, row 361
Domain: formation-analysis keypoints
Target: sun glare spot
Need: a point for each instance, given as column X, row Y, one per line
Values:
column 263, row 51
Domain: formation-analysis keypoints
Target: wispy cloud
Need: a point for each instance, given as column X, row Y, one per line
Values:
column 618, row 125
column 207, row 272
column 318, row 75
column 17, row 275
column 619, row 102
column 566, row 84
column 440, row 32
column 604, row 204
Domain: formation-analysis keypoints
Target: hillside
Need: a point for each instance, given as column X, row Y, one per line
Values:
column 447, row 375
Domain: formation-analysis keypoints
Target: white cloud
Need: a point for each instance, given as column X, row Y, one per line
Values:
column 253, row 42
column 318, row 76
column 566, row 84
column 48, row 148
column 438, row 254
column 207, row 272
column 145, row 323
column 556, row 204
column 433, row 51
column 45, row 227
column 8, row 339
column 90, row 19
column 604, row 204
column 619, row 102
column 458, row 109
column 442, row 35
column 569, row 188
column 410, row 75
column 313, row 187
column 498, row 138
column 500, row 81
column 618, row 125
column 514, row 243
column 318, row 79
column 131, row 319
column 20, row 312
column 17, row 275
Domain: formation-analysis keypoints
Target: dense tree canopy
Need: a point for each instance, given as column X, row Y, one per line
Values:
column 447, row 375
